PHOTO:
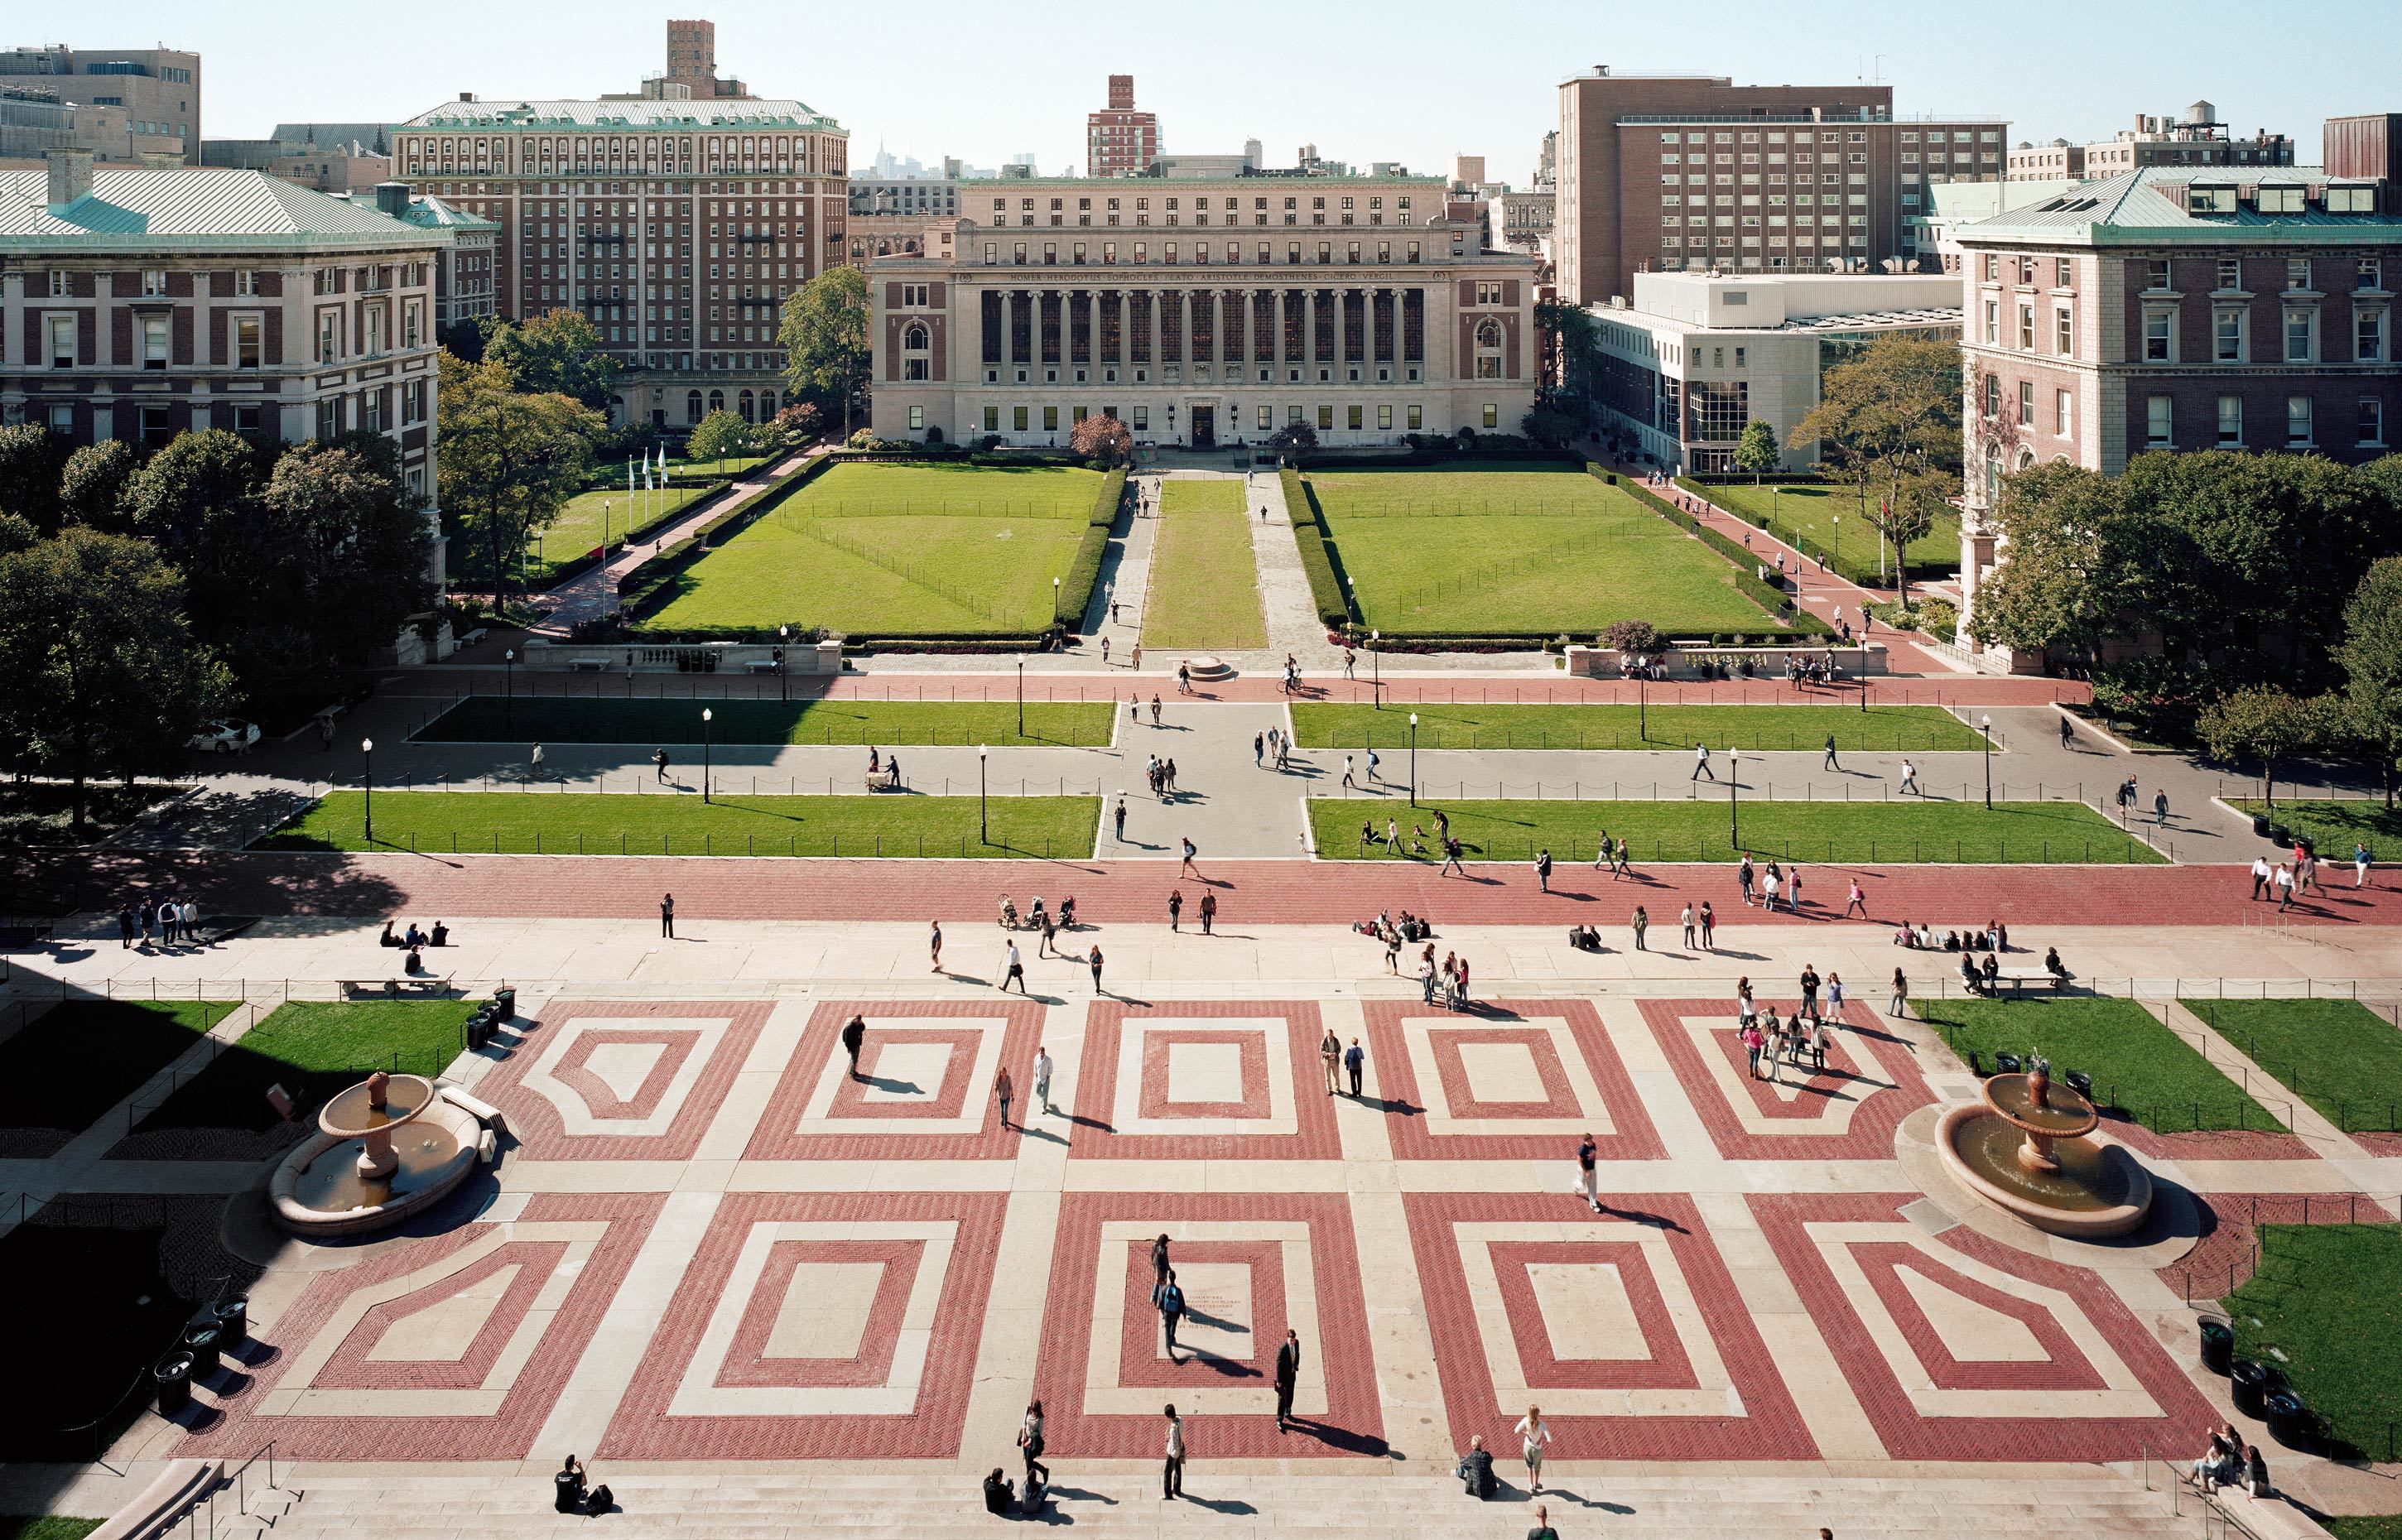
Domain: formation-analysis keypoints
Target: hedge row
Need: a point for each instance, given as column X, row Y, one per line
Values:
column 955, row 455
column 591, row 559
column 1330, row 460
column 1796, row 621
column 1850, row 569
column 643, row 590
column 1317, row 553
column 1076, row 594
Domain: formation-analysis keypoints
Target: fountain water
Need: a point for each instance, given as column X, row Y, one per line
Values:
column 385, row 1147
column 2025, row 1149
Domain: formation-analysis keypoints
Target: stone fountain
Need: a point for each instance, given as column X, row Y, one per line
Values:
column 2026, row 1150
column 384, row 1149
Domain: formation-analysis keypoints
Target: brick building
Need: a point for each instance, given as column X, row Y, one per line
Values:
column 2178, row 308
column 138, row 304
column 463, row 271
column 123, row 106
column 1118, row 140
column 2196, row 137
column 1665, row 172
column 676, row 224
column 1205, row 314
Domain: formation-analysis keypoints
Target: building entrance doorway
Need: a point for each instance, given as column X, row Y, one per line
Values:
column 1205, row 427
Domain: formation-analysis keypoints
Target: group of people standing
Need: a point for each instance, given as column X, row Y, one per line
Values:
column 177, row 922
column 1769, row 1041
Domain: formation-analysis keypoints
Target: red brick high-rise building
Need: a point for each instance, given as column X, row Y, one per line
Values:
column 1118, row 140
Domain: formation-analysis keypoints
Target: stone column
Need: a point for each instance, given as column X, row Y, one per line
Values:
column 1276, row 346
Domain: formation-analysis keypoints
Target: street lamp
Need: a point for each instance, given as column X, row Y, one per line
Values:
column 1376, row 664
column 509, row 689
column 1835, row 523
column 366, row 779
column 1021, row 698
column 1055, row 601
column 1413, row 759
column 1642, row 703
column 707, row 736
column 984, row 829
column 1734, row 817
column 1985, row 724
column 783, row 688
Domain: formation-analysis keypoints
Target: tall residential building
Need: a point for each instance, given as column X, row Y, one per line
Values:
column 2176, row 308
column 1118, row 140
column 2196, row 137
column 1204, row 313
column 122, row 106
column 678, row 226
column 1664, row 172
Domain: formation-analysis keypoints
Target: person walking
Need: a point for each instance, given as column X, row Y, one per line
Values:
column 1330, row 1055
column 1835, row 995
column 1530, row 1429
column 1372, row 762
column 1709, row 928
column 1349, row 658
column 2160, row 806
column 1830, row 763
column 1451, row 861
column 1095, row 959
column 1899, row 1006
column 1543, row 1531
column 1259, row 750
column 1209, row 912
column 1003, row 1091
column 1770, row 882
column 1043, row 1078
column 125, row 926
column 1702, row 770
column 1425, row 977
column 1158, row 1267
column 1120, row 816
column 1543, row 869
column 1184, row 679
column 1171, row 1475
column 1687, row 919
column 2284, row 886
column 1154, row 708
column 1743, row 878
column 1348, row 783
column 1013, row 969
column 1910, row 778
column 1588, row 1174
column 2067, row 735
column 1171, row 1312
column 1105, row 652
column 1793, row 891
column 1355, row 1062
column 1809, row 985
column 1175, row 908
column 534, row 772
column 1642, row 924
column 1857, row 902
column 2259, row 876
column 2360, row 860
column 667, row 915
column 1191, row 850
column 660, row 759
column 1287, row 1372
column 854, row 1033
column 1030, row 1443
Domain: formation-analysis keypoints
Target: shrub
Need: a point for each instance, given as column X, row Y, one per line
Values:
column 1076, row 593
column 1633, row 636
column 1316, row 558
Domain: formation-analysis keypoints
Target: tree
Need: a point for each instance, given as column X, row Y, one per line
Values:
column 197, row 478
column 824, row 337
column 1293, row 438
column 803, row 423
column 1567, row 338
column 1551, row 426
column 30, row 458
column 509, row 460
column 1103, row 438
column 2079, row 563
column 555, row 354
column 720, row 435
column 99, row 674
column 2371, row 656
column 1756, row 450
column 334, row 562
column 91, row 488
column 1890, row 414
column 2262, row 721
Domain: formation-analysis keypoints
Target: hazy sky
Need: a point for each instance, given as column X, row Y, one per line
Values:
column 1399, row 80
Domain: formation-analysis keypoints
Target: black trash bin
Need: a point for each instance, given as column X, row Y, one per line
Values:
column 2289, row 1421
column 2260, row 824
column 201, row 1343
column 504, row 1003
column 2251, row 1385
column 479, row 1027
column 2280, row 835
column 232, row 1317
column 2217, row 1344
column 173, row 1374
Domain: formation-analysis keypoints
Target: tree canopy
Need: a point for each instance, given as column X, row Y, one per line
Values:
column 1102, row 437
column 555, row 354
column 720, row 435
column 1756, row 450
column 1889, row 422
column 2371, row 656
column 510, row 460
column 823, row 333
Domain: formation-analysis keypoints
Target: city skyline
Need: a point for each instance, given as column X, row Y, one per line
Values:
column 1211, row 93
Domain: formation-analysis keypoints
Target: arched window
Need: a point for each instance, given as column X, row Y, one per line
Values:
column 914, row 337
column 1993, row 480
column 691, row 405
column 747, row 408
column 1489, row 335
column 717, row 401
column 2026, row 458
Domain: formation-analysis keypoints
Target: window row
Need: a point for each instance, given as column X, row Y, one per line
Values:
column 2160, row 422
column 1022, row 254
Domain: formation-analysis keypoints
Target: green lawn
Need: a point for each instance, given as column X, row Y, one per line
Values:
column 2338, row 1055
column 561, row 823
column 926, row 549
column 490, row 718
column 313, row 1049
column 1808, row 511
column 2139, row 1066
column 2336, row 827
column 1521, row 552
column 81, row 1057
column 1889, row 832
column 1205, row 582
column 2380, row 1526
column 577, row 530
column 46, row 1526
column 2330, row 1298
column 1924, row 728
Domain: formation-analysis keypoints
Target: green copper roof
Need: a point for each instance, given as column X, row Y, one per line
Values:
column 513, row 115
column 193, row 209
column 2148, row 207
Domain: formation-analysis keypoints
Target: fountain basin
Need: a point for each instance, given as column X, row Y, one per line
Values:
column 2093, row 1191
column 368, row 1168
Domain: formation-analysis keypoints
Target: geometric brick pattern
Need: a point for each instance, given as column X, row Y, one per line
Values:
column 622, row 1080
column 928, row 1069
column 1518, row 1081
column 1203, row 1080
column 1846, row 1111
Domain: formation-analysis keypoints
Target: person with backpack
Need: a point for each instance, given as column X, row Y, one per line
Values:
column 1171, row 1310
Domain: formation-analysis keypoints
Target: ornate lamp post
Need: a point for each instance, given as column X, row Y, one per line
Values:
column 1413, row 759
column 509, row 691
column 707, row 734
column 1734, row 815
column 366, row 779
column 1985, row 725
column 1021, row 696
column 783, row 687
column 984, row 828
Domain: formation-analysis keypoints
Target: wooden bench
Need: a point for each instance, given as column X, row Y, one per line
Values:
column 588, row 665
column 404, row 985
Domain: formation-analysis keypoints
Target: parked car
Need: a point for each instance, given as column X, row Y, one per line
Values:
column 226, row 737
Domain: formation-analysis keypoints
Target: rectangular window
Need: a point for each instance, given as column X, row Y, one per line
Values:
column 1384, row 417
column 2158, row 419
column 1492, row 415
column 2060, row 413
column 154, row 342
column 2063, row 333
column 2370, row 424
column 2227, row 331
column 1017, row 418
column 1050, row 419
column 2230, row 274
column 248, row 341
column 1326, row 419
column 992, row 420
column 2026, row 328
column 2230, row 419
column 2298, row 419
column 2159, row 329
column 1267, row 419
column 63, row 341
column 2026, row 401
column 154, row 282
column 1417, row 419
column 1355, row 418
column 2156, row 276
column 2369, row 334
column 2300, row 326
column 2060, row 270
column 1992, row 322
column 1141, row 419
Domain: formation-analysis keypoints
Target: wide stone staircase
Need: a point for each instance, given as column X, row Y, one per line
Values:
column 892, row 1500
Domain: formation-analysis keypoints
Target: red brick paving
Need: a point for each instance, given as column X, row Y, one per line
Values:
column 507, row 1435
column 775, row 1136
column 1767, row 1427
column 1880, row 1110
column 1142, row 1340
column 1155, row 1100
column 1632, row 1136
column 1096, row 1079
column 747, row 1362
column 2209, row 1144
column 2221, row 1260
column 2184, row 1417
column 575, row 1071
column 542, row 1136
column 1667, row 1366
column 948, row 1099
column 2063, row 1366
column 644, row 1429
column 351, row 1368
column 1353, row 1425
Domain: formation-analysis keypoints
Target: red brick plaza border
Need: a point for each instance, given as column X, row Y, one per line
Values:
column 1142, row 1338
column 644, row 1429
column 1877, row 1114
column 1404, row 689
column 1354, row 1422
column 775, row 1136
column 2221, row 1260
column 1907, row 1435
column 1632, row 1137
column 2209, row 1144
column 509, row 1433
column 1769, row 1427
column 542, row 1136
column 1097, row 1087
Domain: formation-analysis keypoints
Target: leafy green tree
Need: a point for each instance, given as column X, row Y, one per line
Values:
column 2371, row 656
column 2081, row 564
column 1551, row 426
column 1888, row 416
column 718, row 436
column 2262, row 721
column 1567, row 337
column 197, row 478
column 823, row 333
column 510, row 460
column 1293, row 438
column 91, row 488
column 17, row 532
column 1756, row 450
column 98, row 673
column 336, row 558
column 1103, row 438
column 30, row 458
column 555, row 354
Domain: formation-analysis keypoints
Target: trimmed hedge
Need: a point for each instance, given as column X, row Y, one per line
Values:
column 1332, row 460
column 590, row 559
column 1326, row 589
column 639, row 592
column 1850, row 569
column 1076, row 594
column 1774, row 600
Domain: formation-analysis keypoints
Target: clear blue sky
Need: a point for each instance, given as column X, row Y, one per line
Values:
column 1388, row 81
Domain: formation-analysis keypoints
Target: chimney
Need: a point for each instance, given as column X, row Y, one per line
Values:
column 466, row 96
column 70, row 176
column 391, row 197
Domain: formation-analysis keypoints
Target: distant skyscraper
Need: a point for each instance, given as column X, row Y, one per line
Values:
column 1118, row 140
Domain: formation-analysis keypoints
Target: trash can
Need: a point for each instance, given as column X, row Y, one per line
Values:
column 2217, row 1344
column 2260, row 824
column 200, row 1345
column 479, row 1027
column 232, row 1317
column 2289, row 1421
column 504, row 1003
column 2280, row 835
column 2250, row 1384
column 174, row 1375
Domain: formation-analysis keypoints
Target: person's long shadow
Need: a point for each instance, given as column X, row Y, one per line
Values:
column 891, row 1088
column 1219, row 1505
column 1342, row 1439
column 1646, row 1219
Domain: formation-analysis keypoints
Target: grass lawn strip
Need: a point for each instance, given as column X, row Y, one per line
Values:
column 2021, row 833
column 577, row 530
column 1804, row 509
column 2336, row 827
column 45, row 1526
column 1476, row 552
column 77, row 1060
column 2330, row 1296
column 2338, row 1055
column 2140, row 1067
column 1205, row 582
column 918, row 549
column 2380, row 1526
column 1920, row 728
column 492, row 719
column 313, row 1049
column 589, row 823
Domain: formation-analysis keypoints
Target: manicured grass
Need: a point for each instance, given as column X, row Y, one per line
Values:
column 2336, row 827
column 563, row 823
column 2140, row 1068
column 313, row 1049
column 1521, row 552
column 1205, row 582
column 2380, row 1526
column 2330, row 1298
column 48, row 1526
column 577, row 530
column 1890, row 833
column 490, row 718
column 2338, row 1055
column 924, row 549
column 1924, row 728
column 79, row 1058
column 1808, row 511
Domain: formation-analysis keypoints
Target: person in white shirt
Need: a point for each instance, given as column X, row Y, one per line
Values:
column 1535, row 1435
column 1043, row 1077
column 1171, row 1476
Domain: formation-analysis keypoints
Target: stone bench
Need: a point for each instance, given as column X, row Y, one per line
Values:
column 588, row 665
column 2019, row 980
column 393, row 987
